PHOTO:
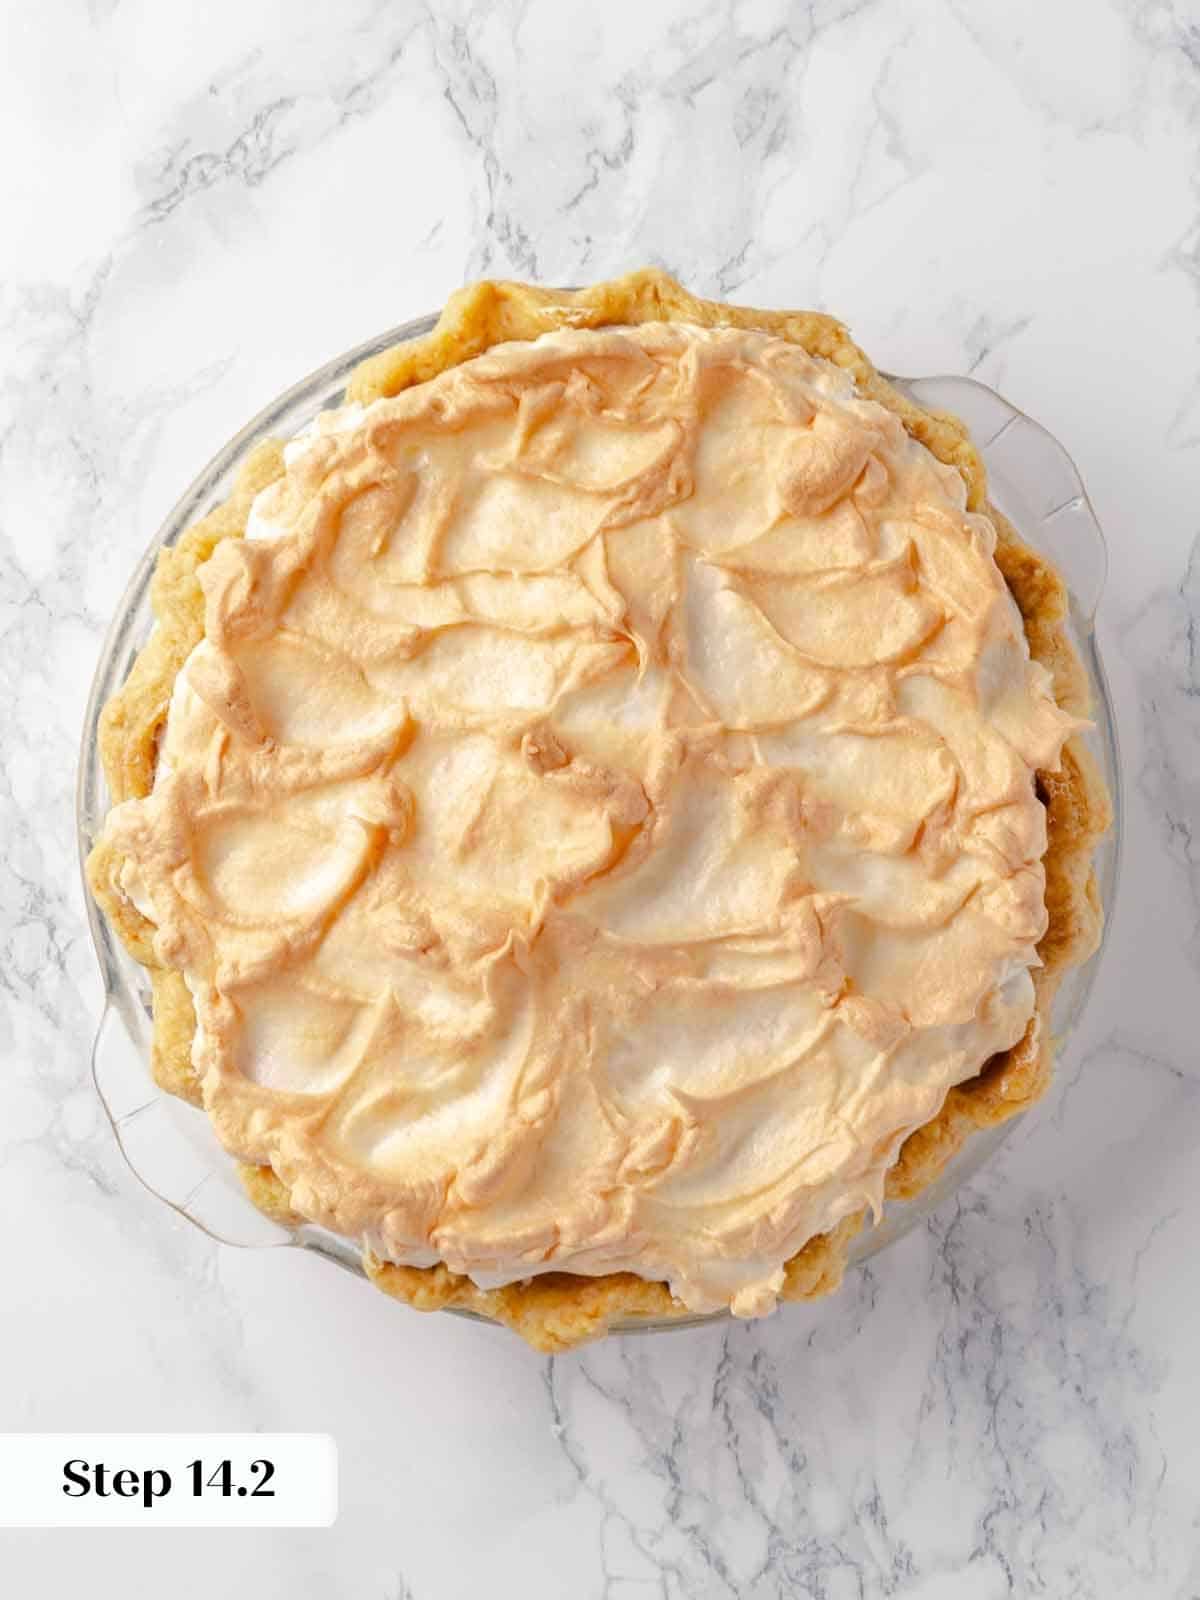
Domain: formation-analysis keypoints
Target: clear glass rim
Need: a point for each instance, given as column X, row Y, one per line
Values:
column 125, row 995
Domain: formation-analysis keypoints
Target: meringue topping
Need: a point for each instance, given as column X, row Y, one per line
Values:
column 598, row 824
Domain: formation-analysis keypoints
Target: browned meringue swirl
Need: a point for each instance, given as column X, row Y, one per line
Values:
column 599, row 823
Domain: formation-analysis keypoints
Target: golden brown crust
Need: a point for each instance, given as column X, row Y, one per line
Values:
column 174, row 1030
column 269, row 1194
column 557, row 1310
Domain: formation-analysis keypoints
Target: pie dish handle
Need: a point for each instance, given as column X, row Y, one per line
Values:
column 1042, row 492
column 168, row 1146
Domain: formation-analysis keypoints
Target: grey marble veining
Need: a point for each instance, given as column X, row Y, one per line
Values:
column 200, row 204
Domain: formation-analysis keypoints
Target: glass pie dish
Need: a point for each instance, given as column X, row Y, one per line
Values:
column 170, row 1146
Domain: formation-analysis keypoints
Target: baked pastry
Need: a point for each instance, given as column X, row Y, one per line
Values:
column 615, row 814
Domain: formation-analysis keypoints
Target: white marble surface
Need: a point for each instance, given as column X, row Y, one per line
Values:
column 198, row 203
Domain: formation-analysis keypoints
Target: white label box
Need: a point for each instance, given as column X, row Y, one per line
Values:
column 168, row 1480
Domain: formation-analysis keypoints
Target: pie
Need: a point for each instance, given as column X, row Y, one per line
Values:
column 603, row 808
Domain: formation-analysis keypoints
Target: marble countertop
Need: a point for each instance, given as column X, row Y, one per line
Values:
column 200, row 204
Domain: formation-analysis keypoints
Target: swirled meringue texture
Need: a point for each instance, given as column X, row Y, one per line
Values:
column 599, row 823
